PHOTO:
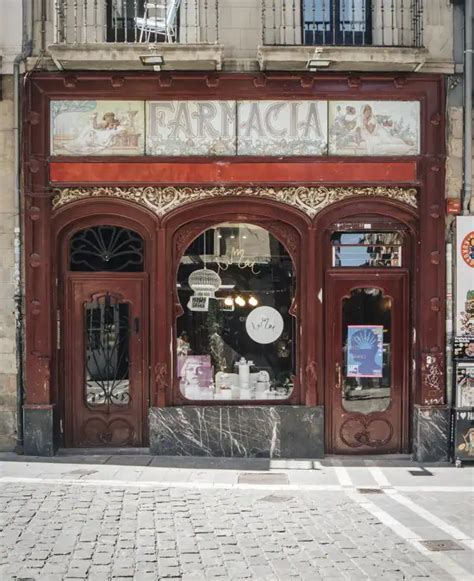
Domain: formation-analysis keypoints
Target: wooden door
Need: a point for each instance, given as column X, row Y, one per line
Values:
column 105, row 360
column 367, row 361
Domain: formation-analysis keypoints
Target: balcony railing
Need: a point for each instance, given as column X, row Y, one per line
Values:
column 135, row 21
column 343, row 22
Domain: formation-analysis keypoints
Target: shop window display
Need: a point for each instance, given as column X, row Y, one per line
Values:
column 236, row 336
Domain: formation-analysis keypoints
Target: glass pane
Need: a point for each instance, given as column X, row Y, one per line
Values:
column 353, row 15
column 106, row 248
column 236, row 338
column 107, row 362
column 366, row 336
column 317, row 14
column 367, row 249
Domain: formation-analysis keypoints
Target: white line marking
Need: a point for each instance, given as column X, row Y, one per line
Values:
column 223, row 485
column 434, row 488
column 441, row 559
column 342, row 476
column 378, row 475
column 163, row 484
column 432, row 518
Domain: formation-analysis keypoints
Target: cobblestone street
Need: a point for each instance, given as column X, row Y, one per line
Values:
column 66, row 521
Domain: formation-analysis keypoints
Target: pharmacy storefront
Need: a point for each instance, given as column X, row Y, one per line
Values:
column 242, row 265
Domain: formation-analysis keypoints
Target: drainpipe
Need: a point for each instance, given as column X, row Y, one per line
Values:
column 467, row 193
column 449, row 320
column 18, row 234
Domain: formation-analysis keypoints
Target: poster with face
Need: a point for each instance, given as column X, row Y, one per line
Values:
column 364, row 351
column 464, row 434
column 195, row 370
column 465, row 384
column 97, row 127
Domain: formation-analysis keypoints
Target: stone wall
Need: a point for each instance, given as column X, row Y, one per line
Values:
column 7, row 271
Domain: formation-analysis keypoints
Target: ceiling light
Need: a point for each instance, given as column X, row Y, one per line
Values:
column 240, row 301
column 253, row 301
column 229, row 301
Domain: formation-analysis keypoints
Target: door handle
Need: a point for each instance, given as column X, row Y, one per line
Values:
column 136, row 325
column 338, row 376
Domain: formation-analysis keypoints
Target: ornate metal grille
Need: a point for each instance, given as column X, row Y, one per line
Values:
column 107, row 364
column 106, row 248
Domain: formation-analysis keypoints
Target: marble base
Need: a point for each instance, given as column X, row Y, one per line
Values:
column 235, row 431
column 431, row 434
column 38, row 431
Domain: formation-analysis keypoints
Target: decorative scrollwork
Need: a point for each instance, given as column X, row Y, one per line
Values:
column 99, row 432
column 360, row 431
column 107, row 334
column 106, row 248
column 162, row 200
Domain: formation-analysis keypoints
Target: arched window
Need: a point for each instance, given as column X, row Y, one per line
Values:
column 106, row 248
column 236, row 337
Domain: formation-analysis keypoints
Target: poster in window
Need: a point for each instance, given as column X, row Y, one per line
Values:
column 195, row 370
column 465, row 384
column 364, row 350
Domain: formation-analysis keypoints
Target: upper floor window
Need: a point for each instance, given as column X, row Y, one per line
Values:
column 343, row 22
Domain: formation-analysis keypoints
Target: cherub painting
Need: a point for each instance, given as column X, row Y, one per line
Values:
column 374, row 128
column 97, row 127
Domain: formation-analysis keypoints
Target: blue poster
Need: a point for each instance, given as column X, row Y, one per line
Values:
column 364, row 350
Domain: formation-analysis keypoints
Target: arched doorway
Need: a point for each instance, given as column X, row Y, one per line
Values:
column 104, row 337
column 367, row 316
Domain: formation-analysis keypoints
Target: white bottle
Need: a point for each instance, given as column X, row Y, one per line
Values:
column 244, row 374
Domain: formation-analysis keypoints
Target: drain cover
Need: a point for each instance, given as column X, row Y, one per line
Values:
column 265, row 478
column 445, row 545
column 370, row 491
column 276, row 498
column 420, row 472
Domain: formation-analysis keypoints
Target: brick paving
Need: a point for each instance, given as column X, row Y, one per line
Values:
column 67, row 531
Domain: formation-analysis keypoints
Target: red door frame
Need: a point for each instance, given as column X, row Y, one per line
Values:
column 397, row 414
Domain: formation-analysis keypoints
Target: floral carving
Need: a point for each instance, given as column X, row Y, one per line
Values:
column 162, row 200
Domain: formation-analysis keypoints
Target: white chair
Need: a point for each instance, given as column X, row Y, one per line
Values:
column 159, row 18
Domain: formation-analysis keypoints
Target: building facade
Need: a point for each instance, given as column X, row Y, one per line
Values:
column 234, row 226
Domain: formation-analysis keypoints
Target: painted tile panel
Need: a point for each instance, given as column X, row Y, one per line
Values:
column 282, row 128
column 186, row 128
column 97, row 128
column 374, row 128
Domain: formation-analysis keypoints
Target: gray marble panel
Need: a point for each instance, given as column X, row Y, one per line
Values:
column 431, row 434
column 38, row 432
column 237, row 431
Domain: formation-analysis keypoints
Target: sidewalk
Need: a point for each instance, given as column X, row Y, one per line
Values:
column 142, row 517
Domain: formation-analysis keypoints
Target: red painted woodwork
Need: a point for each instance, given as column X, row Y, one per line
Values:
column 377, row 432
column 46, row 232
column 105, row 425
column 198, row 172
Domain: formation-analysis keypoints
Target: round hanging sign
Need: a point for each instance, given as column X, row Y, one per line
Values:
column 467, row 249
column 264, row 325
